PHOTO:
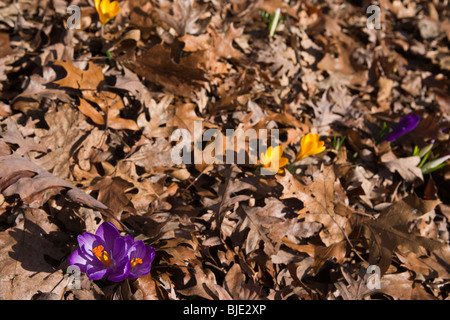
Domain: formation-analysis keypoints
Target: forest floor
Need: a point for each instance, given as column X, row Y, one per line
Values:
column 92, row 119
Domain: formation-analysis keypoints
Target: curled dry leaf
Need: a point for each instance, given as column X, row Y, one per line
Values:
column 34, row 185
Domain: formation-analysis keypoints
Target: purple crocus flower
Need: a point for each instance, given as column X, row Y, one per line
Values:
column 405, row 125
column 140, row 256
column 103, row 254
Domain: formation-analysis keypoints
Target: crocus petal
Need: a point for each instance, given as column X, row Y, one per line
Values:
column 109, row 233
column 307, row 139
column 283, row 162
column 106, row 10
column 265, row 160
column 77, row 258
column 121, row 271
column 114, row 8
column 310, row 145
column 146, row 254
column 97, row 272
column 119, row 249
column 87, row 242
column 272, row 160
column 277, row 151
column 129, row 241
column 405, row 125
column 104, row 6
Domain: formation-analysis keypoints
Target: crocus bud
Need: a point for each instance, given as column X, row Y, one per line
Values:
column 405, row 125
column 106, row 10
column 435, row 164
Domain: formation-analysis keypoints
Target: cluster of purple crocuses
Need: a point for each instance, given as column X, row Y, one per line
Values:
column 107, row 254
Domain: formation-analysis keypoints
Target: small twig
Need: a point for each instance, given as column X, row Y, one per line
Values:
column 198, row 177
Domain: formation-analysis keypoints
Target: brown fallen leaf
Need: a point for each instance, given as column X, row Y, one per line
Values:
column 355, row 289
column 266, row 224
column 319, row 203
column 341, row 63
column 159, row 113
column 66, row 126
column 180, row 78
column 12, row 135
column 401, row 286
column 390, row 230
column 35, row 185
column 432, row 266
column 186, row 17
column 384, row 92
column 89, row 111
column 111, row 192
column 321, row 254
column 111, row 105
column 238, row 288
column 80, row 79
column 24, row 254
column 406, row 167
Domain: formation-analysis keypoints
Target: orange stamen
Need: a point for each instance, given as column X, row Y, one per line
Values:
column 102, row 255
column 135, row 261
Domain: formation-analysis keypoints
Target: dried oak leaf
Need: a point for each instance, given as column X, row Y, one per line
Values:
column 355, row 289
column 212, row 46
column 406, row 167
column 324, row 113
column 25, row 253
column 155, row 65
column 65, row 129
column 341, row 63
column 321, row 254
column 159, row 115
column 80, row 79
column 184, row 117
column 266, row 224
column 391, row 229
column 321, row 203
column 223, row 44
column 271, row 225
column 401, row 286
column 186, row 17
column 112, row 193
column 111, row 105
column 12, row 135
column 433, row 266
column 227, row 197
column 35, row 185
column 236, row 287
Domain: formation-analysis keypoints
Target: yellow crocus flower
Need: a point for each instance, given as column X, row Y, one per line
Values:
column 310, row 145
column 106, row 10
column 273, row 159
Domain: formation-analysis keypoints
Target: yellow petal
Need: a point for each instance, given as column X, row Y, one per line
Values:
column 104, row 4
column 114, row 9
column 264, row 160
column 308, row 138
column 277, row 152
column 310, row 145
column 269, row 152
column 106, row 10
column 283, row 162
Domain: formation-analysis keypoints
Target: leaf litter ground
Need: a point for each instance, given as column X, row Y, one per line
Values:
column 86, row 123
